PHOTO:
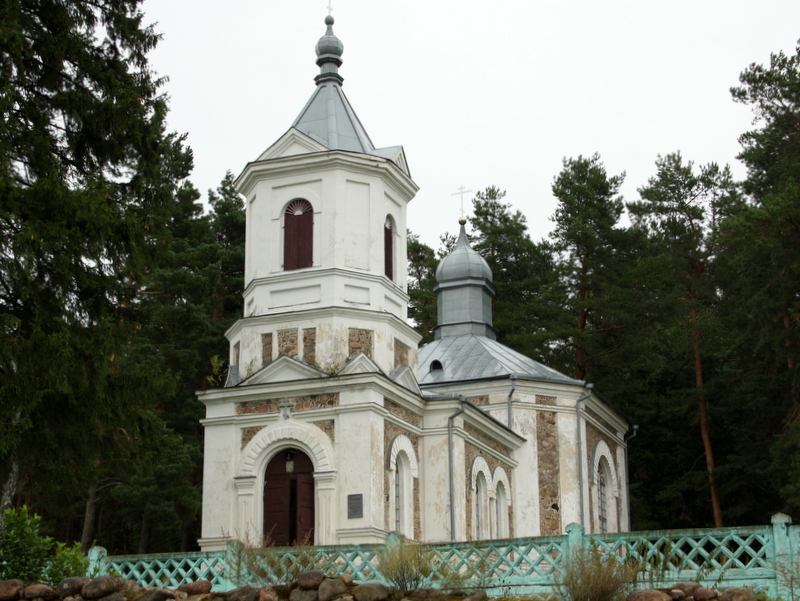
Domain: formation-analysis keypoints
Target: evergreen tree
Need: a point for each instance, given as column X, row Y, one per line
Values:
column 422, row 309
column 87, row 175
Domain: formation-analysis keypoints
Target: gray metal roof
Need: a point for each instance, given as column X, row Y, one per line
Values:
column 330, row 120
column 471, row 357
column 463, row 262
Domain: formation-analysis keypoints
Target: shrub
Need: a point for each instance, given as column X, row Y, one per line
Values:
column 405, row 565
column 27, row 555
column 264, row 564
column 593, row 576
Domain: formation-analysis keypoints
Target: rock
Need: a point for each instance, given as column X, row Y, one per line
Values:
column 703, row 593
column 11, row 589
column 419, row 593
column 102, row 586
column 199, row 587
column 157, row 594
column 648, row 594
column 347, row 579
column 310, row 579
column 283, row 590
column 395, row 594
column 238, row 594
column 253, row 595
column 69, row 587
column 303, row 594
column 478, row 596
column 738, row 594
column 687, row 587
column 39, row 590
column 330, row 588
column 371, row 591
column 677, row 594
column 435, row 593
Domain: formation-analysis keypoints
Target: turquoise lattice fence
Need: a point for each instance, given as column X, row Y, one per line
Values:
column 758, row 557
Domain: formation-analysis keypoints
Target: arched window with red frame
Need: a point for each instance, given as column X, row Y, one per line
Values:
column 298, row 235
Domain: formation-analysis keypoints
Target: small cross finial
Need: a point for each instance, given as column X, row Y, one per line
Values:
column 330, row 8
column 462, row 191
column 286, row 406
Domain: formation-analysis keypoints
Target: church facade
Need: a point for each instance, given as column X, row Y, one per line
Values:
column 333, row 427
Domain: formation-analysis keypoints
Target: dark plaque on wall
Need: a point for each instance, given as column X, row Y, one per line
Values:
column 355, row 506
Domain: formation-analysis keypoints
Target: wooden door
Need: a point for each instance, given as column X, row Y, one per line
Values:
column 289, row 499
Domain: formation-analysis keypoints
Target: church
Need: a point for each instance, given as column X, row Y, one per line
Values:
column 333, row 427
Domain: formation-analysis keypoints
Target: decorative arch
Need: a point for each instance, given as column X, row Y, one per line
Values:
column 479, row 465
column 502, row 501
column 284, row 434
column 483, row 493
column 298, row 235
column 604, row 489
column 389, row 236
column 403, row 468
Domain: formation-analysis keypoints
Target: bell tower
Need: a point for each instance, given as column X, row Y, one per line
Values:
column 325, row 259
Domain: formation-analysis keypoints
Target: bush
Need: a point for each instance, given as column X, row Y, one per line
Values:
column 27, row 555
column 594, row 576
column 406, row 565
column 265, row 564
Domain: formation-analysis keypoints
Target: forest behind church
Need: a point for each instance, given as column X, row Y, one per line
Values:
column 682, row 305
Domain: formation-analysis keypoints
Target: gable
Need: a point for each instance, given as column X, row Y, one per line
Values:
column 292, row 143
column 283, row 369
column 404, row 376
column 359, row 364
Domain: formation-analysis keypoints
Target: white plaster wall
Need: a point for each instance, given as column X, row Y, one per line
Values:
column 220, row 515
column 568, row 466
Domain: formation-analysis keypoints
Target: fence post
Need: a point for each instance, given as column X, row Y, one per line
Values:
column 575, row 538
column 97, row 558
column 784, row 576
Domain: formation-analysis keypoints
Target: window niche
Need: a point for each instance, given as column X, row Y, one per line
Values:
column 298, row 235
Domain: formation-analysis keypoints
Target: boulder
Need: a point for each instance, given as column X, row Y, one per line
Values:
column 38, row 590
column 704, row 593
column 478, row 596
column 267, row 594
column 738, row 594
column 11, row 589
column 238, row 594
column 157, row 594
column 199, row 587
column 310, row 579
column 102, row 586
column 371, row 591
column 303, row 594
column 330, row 588
column 677, row 594
column 687, row 587
column 648, row 594
column 69, row 587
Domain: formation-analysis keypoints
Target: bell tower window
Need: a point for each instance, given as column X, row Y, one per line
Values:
column 298, row 235
column 388, row 247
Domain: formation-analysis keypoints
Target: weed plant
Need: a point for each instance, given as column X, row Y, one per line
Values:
column 263, row 564
column 593, row 576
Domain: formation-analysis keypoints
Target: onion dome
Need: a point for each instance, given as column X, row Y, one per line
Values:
column 329, row 54
column 463, row 262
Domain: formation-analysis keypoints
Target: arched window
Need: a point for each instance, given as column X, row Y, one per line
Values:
column 388, row 247
column 298, row 235
column 501, row 502
column 602, row 496
column 481, row 508
column 402, row 483
column 403, row 469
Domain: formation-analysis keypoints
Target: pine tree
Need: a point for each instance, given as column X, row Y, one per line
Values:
column 86, row 175
column 422, row 309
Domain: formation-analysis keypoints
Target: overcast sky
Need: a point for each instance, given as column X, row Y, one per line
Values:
column 478, row 93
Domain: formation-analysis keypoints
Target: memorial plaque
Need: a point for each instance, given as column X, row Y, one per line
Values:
column 355, row 507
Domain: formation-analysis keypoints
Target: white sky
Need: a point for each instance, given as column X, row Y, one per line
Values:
column 478, row 93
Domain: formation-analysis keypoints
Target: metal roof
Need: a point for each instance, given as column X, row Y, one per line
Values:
column 471, row 357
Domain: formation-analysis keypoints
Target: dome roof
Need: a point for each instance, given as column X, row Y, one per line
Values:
column 329, row 46
column 462, row 263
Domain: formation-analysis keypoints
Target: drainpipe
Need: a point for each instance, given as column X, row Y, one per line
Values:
column 510, row 395
column 632, row 434
column 451, row 468
column 588, row 388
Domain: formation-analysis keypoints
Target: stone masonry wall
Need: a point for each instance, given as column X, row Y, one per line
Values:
column 266, row 349
column 360, row 342
column 400, row 354
column 310, row 346
column 549, row 494
column 287, row 343
column 303, row 403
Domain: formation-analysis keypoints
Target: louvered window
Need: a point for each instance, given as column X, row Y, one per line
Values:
column 298, row 235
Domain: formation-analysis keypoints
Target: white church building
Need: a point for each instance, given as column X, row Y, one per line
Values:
column 333, row 426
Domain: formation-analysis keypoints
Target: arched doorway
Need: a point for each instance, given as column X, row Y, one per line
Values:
column 289, row 498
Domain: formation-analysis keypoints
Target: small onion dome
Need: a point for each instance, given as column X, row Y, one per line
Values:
column 329, row 46
column 463, row 263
